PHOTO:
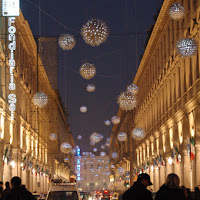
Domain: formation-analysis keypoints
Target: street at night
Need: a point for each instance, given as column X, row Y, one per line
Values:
column 100, row 100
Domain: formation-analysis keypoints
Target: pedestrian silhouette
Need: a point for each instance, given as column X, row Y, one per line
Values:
column 138, row 189
column 171, row 189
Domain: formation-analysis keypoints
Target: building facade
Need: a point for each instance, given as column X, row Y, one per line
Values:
column 25, row 147
column 94, row 173
column 168, row 102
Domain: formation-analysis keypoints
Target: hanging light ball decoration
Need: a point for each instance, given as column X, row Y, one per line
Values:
column 121, row 170
column 176, row 11
column 103, row 146
column 108, row 139
column 92, row 143
column 112, row 166
column 107, row 122
column 94, row 32
column 95, row 149
column 133, row 89
column 107, row 144
column 127, row 101
column 186, row 47
column 79, row 137
column 66, row 147
column 95, row 137
column 53, row 137
column 90, row 88
column 115, row 119
column 102, row 154
column 66, row 42
column 83, row 109
column 87, row 71
column 114, row 155
column 40, row 99
column 73, row 151
column 138, row 133
column 122, row 136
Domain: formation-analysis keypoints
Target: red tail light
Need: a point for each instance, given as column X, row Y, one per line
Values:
column 106, row 191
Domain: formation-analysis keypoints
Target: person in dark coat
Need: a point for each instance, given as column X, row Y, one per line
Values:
column 6, row 191
column 17, row 192
column 1, row 189
column 138, row 190
column 197, row 193
column 171, row 190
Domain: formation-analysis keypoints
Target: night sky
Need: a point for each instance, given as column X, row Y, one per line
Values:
column 116, row 60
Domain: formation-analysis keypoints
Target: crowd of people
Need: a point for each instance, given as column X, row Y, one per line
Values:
column 170, row 190
column 16, row 191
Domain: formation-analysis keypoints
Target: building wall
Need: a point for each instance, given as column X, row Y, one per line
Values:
column 25, row 146
column 168, row 101
column 94, row 173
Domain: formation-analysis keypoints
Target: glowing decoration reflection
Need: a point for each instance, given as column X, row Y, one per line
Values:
column 95, row 149
column 66, row 147
column 94, row 32
column 133, row 89
column 79, row 137
column 83, row 109
column 186, row 47
column 40, row 99
column 138, row 133
column 127, row 101
column 107, row 144
column 108, row 139
column 91, row 88
column 102, row 154
column 120, row 170
column 107, row 122
column 95, row 137
column 177, row 11
column 87, row 71
column 115, row 120
column 73, row 151
column 122, row 136
column 92, row 143
column 66, row 42
column 114, row 155
column 112, row 166
column 53, row 136
column 103, row 146
column 66, row 160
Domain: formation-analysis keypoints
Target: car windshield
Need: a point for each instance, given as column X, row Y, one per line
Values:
column 62, row 195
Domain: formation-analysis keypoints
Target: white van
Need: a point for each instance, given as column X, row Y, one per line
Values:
column 63, row 191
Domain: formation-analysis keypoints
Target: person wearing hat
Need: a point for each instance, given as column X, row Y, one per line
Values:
column 138, row 190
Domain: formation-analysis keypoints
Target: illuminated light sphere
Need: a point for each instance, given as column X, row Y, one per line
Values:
column 107, row 144
column 138, row 133
column 53, row 136
column 66, row 160
column 87, row 71
column 133, row 89
column 90, row 88
column 94, row 32
column 107, row 173
column 92, row 143
column 112, row 166
column 103, row 146
column 95, row 137
column 101, row 136
column 107, row 122
column 186, row 47
column 108, row 139
column 114, row 155
column 83, row 109
column 121, row 170
column 79, row 137
column 95, row 149
column 73, row 151
column 115, row 119
column 102, row 154
column 66, row 147
column 127, row 101
column 177, row 11
column 66, row 42
column 122, row 136
column 40, row 99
